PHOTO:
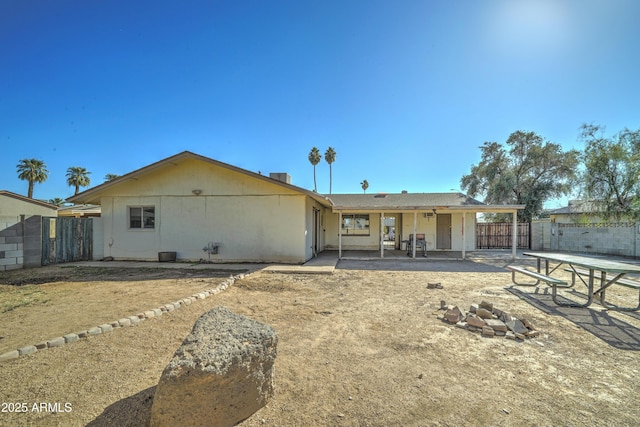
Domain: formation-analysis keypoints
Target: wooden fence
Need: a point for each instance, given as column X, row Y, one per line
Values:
column 66, row 240
column 498, row 235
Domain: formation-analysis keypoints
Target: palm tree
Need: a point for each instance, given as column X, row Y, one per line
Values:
column 32, row 170
column 57, row 201
column 330, row 157
column 314, row 158
column 110, row 176
column 365, row 185
column 78, row 177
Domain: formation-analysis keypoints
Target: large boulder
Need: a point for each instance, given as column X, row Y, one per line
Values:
column 220, row 375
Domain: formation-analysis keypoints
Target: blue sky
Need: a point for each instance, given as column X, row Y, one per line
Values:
column 405, row 91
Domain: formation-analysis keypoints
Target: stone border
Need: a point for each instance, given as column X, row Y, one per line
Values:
column 121, row 323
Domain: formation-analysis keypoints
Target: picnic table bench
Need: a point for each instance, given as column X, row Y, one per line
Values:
column 610, row 273
column 539, row 276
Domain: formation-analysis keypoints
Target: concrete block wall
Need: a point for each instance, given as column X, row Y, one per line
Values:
column 621, row 240
column 11, row 246
column 33, row 241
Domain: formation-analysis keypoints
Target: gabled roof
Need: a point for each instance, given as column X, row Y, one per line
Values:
column 576, row 207
column 92, row 195
column 28, row 200
column 413, row 201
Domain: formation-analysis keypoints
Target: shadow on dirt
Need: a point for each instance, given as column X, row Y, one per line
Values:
column 611, row 330
column 453, row 266
column 132, row 411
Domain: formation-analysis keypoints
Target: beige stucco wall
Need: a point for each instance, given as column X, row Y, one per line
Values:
column 253, row 220
column 428, row 226
column 11, row 209
column 351, row 242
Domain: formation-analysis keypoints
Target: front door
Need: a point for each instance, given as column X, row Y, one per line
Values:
column 443, row 233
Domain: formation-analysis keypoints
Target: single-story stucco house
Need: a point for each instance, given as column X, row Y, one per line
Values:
column 13, row 206
column 187, row 202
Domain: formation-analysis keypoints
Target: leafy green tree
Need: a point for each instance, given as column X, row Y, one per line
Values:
column 365, row 185
column 527, row 171
column 110, row 176
column 57, row 201
column 314, row 159
column 611, row 176
column 78, row 177
column 32, row 170
column 330, row 157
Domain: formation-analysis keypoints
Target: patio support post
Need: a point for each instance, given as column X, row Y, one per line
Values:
column 381, row 234
column 464, row 236
column 413, row 242
column 514, row 237
column 340, row 235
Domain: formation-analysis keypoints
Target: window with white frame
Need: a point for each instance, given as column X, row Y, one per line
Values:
column 142, row 217
column 355, row 225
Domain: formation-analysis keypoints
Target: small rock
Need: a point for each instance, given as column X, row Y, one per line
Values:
column 55, row 342
column 488, row 332
column 532, row 334
column 94, row 331
column 510, row 335
column 473, row 308
column 106, row 328
column 517, row 326
column 484, row 313
column 487, row 306
column 27, row 350
column 14, row 354
column 453, row 315
column 71, row 338
column 462, row 325
column 41, row 345
column 476, row 322
column 497, row 325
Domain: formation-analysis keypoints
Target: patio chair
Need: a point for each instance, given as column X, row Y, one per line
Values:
column 421, row 244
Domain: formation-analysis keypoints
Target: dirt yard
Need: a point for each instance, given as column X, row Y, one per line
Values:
column 362, row 347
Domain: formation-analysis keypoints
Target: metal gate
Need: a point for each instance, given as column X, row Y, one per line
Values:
column 66, row 240
column 497, row 235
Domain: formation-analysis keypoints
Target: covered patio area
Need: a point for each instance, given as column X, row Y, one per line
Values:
column 400, row 226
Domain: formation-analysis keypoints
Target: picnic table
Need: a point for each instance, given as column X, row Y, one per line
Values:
column 610, row 272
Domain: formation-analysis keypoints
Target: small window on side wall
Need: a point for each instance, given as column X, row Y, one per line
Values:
column 142, row 217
